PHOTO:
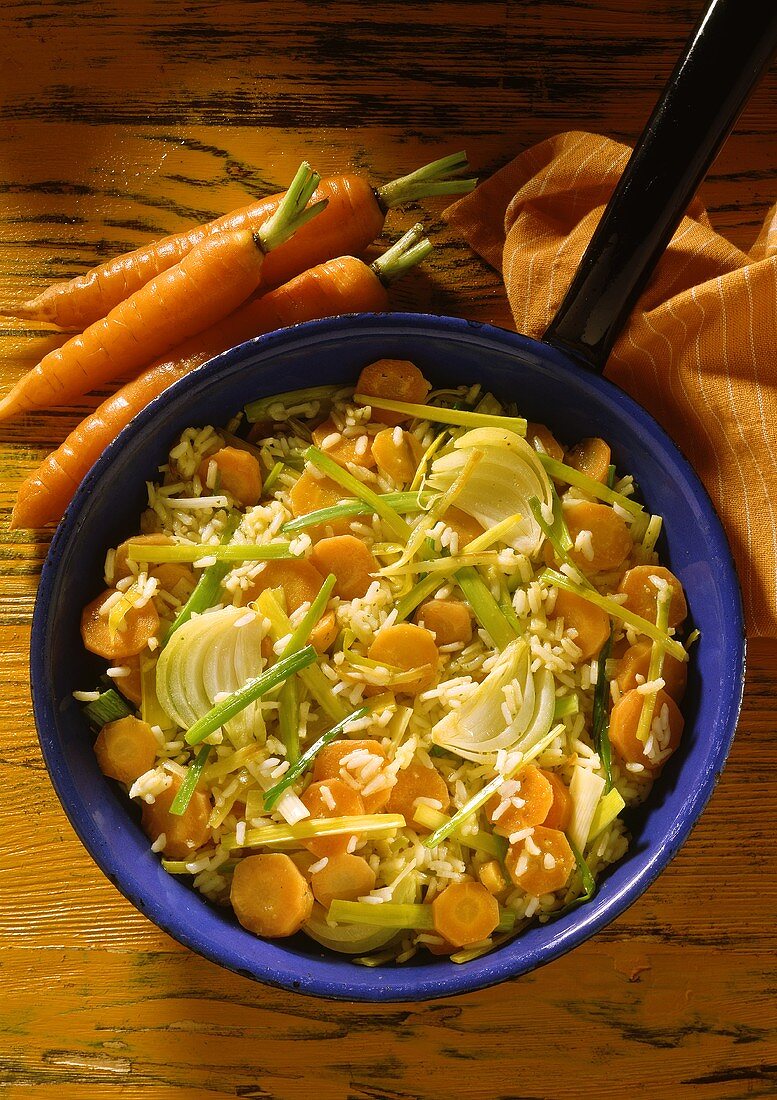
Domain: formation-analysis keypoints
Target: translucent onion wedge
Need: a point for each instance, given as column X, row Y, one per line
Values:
column 508, row 476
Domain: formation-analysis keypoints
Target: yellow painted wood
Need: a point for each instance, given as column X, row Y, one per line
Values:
column 126, row 121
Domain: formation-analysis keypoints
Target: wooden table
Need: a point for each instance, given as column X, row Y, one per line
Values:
column 125, row 121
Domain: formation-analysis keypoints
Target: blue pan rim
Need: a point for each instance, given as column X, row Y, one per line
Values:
column 437, row 979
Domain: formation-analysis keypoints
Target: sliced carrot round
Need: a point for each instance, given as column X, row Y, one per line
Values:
column 542, row 439
column 324, row 632
column 448, row 620
column 642, row 593
column 140, row 625
column 591, row 457
column 237, row 472
column 300, row 580
column 407, row 647
column 125, row 749
column 175, row 578
column 184, row 833
column 465, row 526
column 542, row 863
column 624, row 722
column 345, row 876
column 310, row 493
column 270, row 896
column 357, row 449
column 591, row 623
column 636, row 662
column 351, row 562
column 121, row 567
column 414, row 782
column 130, row 686
column 493, row 878
column 610, row 542
column 331, row 798
column 465, row 912
column 397, row 454
column 526, row 801
column 396, row 380
column 560, row 813
column 333, row 760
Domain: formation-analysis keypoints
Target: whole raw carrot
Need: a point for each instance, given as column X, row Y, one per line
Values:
column 207, row 285
column 342, row 285
column 353, row 219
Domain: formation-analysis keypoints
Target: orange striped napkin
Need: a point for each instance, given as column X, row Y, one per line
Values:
column 700, row 351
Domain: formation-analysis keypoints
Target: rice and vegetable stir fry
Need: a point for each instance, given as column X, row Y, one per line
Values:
column 389, row 666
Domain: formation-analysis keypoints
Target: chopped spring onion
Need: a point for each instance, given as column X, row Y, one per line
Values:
column 189, row 785
column 566, row 706
column 459, row 417
column 375, row 825
column 585, row 790
column 481, row 841
column 600, row 721
column 274, row 407
column 313, row 678
column 473, row 804
column 235, row 551
column 393, row 915
column 610, row 805
column 487, row 611
column 610, row 479
column 272, row 477
column 272, row 795
column 400, row 502
column 250, row 691
column 616, row 611
column 110, row 707
column 594, row 488
column 206, row 590
column 656, row 666
column 355, row 487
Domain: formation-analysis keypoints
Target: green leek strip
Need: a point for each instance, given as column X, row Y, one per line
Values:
column 555, row 536
column 206, row 590
column 505, row 605
column 589, row 485
column 419, row 477
column 587, row 879
column 235, row 551
column 272, row 795
column 313, row 678
column 110, row 707
column 442, row 503
column 692, row 638
column 656, row 666
column 650, row 537
column 355, row 487
column 459, row 417
column 307, row 623
column 272, row 477
column 359, row 824
column 226, row 765
column 288, row 718
column 485, row 607
column 257, row 411
column 477, row 800
column 151, row 710
column 494, row 534
column 442, row 566
column 566, row 706
column 610, row 805
column 488, row 843
column 417, row 594
column 600, row 719
column 188, row 786
column 122, row 608
column 400, row 502
column 391, row 914
column 616, row 611
column 251, row 690
column 610, row 476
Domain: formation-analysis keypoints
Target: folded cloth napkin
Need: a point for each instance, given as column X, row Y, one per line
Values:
column 700, row 350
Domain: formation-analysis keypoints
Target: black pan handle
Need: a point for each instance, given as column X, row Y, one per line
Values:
column 722, row 61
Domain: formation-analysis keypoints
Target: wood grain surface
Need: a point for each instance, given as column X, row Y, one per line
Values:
column 125, row 121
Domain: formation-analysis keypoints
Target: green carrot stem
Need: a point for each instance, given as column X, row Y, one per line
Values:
column 293, row 210
column 426, row 181
column 408, row 251
column 292, row 775
column 189, row 785
column 252, row 690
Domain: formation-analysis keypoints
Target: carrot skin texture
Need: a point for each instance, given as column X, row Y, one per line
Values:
column 349, row 224
column 207, row 285
column 341, row 285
